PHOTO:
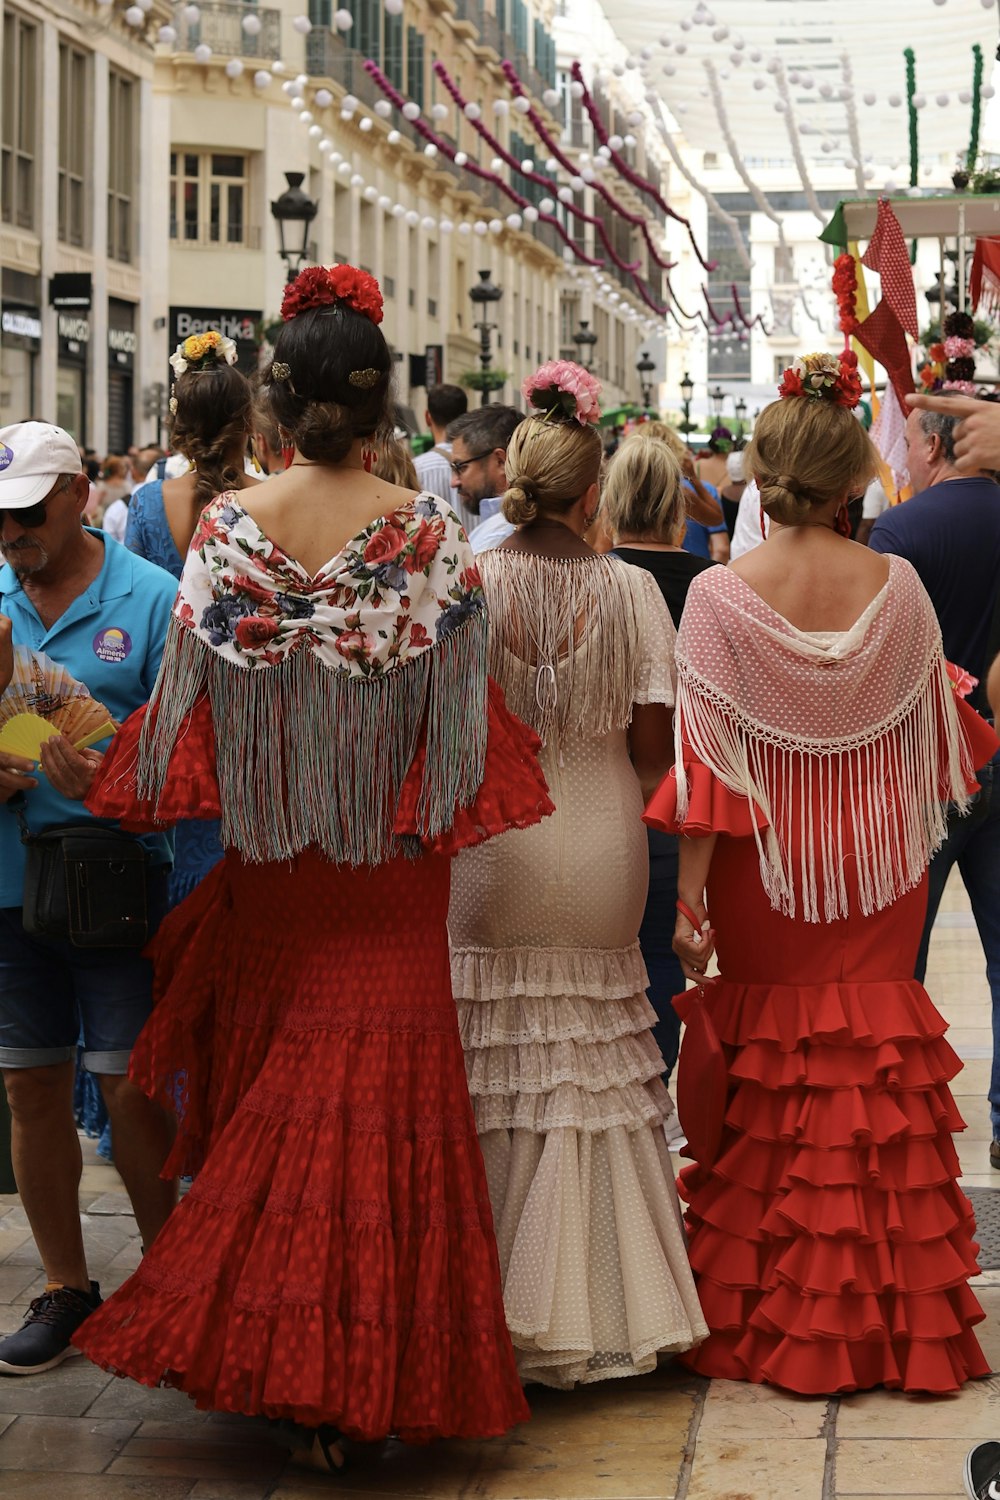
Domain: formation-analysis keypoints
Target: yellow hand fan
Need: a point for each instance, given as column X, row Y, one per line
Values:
column 25, row 734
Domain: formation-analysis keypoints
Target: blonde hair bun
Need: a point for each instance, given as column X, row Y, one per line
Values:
column 519, row 505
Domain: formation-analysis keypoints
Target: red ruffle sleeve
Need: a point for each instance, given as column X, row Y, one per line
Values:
column 514, row 792
column 712, row 807
column 190, row 789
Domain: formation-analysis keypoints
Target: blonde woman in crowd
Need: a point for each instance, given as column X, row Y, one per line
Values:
column 546, row 969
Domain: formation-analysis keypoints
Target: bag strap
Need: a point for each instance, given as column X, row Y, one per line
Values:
column 16, row 805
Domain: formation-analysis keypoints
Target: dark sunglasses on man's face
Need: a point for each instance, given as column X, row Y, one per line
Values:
column 459, row 467
column 30, row 517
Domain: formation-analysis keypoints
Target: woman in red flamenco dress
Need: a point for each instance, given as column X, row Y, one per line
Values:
column 819, row 740
column 324, row 692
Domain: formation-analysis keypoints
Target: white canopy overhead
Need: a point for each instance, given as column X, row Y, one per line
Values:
column 811, row 37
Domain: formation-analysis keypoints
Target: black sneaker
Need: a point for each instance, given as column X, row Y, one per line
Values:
column 982, row 1472
column 43, row 1341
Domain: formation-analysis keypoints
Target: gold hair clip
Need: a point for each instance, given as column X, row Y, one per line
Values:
column 280, row 371
column 365, row 379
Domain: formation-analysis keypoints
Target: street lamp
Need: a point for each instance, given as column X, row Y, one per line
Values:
column 585, row 338
column 293, row 212
column 645, row 366
column 687, row 391
column 481, row 295
column 741, row 414
column 717, row 396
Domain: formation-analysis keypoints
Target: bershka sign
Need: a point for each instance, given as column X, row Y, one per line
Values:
column 238, row 326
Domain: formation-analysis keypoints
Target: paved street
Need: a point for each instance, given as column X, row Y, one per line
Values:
column 79, row 1435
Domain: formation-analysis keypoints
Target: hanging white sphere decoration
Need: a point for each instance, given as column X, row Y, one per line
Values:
column 394, row 7
column 302, row 25
column 303, row 79
column 464, row 228
column 501, row 107
column 383, row 109
column 964, row 95
column 941, row 99
column 987, row 91
column 357, row 180
column 202, row 53
column 986, row 4
column 869, row 98
column 530, row 213
column 323, row 98
column 234, row 68
column 919, row 100
column 384, row 202
column 349, row 102
column 894, row 101
column 168, row 35
column 577, row 184
column 481, row 227
column 430, row 150
column 370, row 194
column 315, row 131
column 472, row 111
column 780, row 106
column 760, row 83
column 460, row 158
column 343, row 20
column 514, row 221
column 681, row 48
column 394, row 137
column 134, row 16
column 576, row 88
column 411, row 111
column 547, row 205
column 439, row 111
column 630, row 141
column 522, row 104
column 551, row 165
column 446, row 226
column 495, row 226
column 587, row 174
column 326, row 144
column 497, row 164
column 669, row 68
column 251, row 24
column 278, row 66
column 527, row 165
column 635, row 117
column 367, row 124
column 288, row 87
column 756, row 55
column 191, row 14
column 565, row 195
column 551, row 97
column 616, row 142
column 261, row 79
column 428, row 223
column 398, row 211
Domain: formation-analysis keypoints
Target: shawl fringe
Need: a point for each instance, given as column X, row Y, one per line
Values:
column 565, row 637
column 309, row 757
column 893, row 782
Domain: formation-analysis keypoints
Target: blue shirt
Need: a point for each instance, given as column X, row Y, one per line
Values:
column 695, row 534
column 110, row 638
column 951, row 535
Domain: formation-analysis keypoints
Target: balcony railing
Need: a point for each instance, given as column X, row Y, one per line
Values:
column 221, row 26
column 329, row 56
column 208, row 236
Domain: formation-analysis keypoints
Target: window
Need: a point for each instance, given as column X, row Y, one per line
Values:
column 122, row 108
column 17, row 138
column 208, row 198
column 415, row 65
column 74, row 113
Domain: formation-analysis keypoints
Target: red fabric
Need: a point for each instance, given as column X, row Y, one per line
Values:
column 701, row 1080
column 712, row 807
column 191, row 789
column 514, row 793
column 882, row 335
column 334, row 1260
column 887, row 254
column 831, row 1244
column 985, row 268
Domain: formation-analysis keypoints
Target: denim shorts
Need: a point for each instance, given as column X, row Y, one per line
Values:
column 52, row 994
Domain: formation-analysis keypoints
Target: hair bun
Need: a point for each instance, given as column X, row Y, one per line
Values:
column 788, row 482
column 520, row 506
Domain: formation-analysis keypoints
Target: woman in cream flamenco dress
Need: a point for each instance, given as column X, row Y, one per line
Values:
column 546, row 969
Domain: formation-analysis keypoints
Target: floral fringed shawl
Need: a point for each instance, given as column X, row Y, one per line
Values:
column 855, row 729
column 321, row 688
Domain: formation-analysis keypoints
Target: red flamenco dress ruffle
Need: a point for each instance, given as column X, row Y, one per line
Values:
column 334, row 1260
column 831, row 1244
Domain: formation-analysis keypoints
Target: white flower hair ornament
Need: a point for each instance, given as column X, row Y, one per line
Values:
column 203, row 351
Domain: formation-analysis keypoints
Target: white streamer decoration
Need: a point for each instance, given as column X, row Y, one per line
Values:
column 853, row 133
column 734, row 152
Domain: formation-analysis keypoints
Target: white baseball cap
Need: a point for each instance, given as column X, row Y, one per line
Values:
column 735, row 470
column 32, row 457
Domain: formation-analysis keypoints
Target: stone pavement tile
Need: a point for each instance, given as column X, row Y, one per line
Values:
column 734, row 1411
column 12, row 1315
column 881, row 1467
column 126, row 1398
column 757, row 1469
column 111, row 1203
column 15, row 1281
column 5, row 1420
column 73, row 1445
column 240, row 1489
column 11, row 1239
column 973, row 1414
column 67, row 1391
column 199, row 1451
column 988, row 1332
column 30, row 1485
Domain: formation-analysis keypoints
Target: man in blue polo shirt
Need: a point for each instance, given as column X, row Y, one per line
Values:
column 101, row 613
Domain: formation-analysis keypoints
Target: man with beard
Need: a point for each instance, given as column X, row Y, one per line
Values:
column 478, row 475
column 94, row 609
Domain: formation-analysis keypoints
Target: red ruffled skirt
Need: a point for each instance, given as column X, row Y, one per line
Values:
column 334, row 1260
column 831, row 1244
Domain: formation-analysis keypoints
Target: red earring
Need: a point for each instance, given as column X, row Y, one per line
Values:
column 368, row 457
column 842, row 525
column 288, row 455
column 763, row 524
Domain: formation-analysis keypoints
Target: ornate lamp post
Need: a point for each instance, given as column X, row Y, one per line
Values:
column 293, row 212
column 482, row 295
column 741, row 414
column 645, row 367
column 585, row 338
column 717, row 396
column 687, row 391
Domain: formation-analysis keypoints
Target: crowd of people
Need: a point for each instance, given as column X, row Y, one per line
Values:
column 440, row 781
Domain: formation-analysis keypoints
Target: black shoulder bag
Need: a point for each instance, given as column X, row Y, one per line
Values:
column 84, row 884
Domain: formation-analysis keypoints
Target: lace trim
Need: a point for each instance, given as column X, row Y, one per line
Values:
column 514, row 1020
column 540, row 1067
column 568, row 1107
column 578, row 973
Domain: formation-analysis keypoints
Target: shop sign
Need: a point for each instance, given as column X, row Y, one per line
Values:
column 240, row 325
column 21, row 323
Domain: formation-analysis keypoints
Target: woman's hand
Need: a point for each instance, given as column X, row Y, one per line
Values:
column 693, row 945
column 6, row 653
column 70, row 771
column 15, row 775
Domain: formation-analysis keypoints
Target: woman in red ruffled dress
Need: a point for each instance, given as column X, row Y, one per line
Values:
column 324, row 692
column 819, row 741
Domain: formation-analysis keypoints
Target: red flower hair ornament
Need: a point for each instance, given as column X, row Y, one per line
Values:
column 823, row 377
column 324, row 286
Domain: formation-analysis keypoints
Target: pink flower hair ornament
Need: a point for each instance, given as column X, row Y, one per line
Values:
column 564, row 392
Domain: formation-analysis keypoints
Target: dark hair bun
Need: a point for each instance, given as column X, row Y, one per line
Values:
column 318, row 404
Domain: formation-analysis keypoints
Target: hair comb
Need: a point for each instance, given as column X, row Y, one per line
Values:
column 364, row 379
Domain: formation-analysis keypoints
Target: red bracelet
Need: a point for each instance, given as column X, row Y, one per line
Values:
column 686, row 911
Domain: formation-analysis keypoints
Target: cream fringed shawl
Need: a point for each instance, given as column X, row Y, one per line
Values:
column 854, row 731
column 320, row 687
column 576, row 641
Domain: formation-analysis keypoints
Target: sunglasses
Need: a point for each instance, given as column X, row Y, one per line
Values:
column 30, row 517
column 459, row 468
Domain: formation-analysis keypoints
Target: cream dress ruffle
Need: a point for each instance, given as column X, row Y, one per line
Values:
column 564, row 1074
